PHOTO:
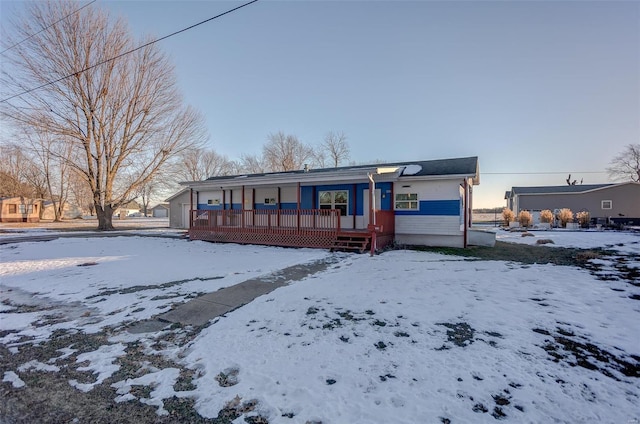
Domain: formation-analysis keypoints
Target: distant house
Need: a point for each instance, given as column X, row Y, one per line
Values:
column 161, row 210
column 127, row 209
column 70, row 211
column 362, row 207
column 20, row 209
column 616, row 202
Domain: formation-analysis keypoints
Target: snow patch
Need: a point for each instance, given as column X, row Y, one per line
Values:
column 411, row 169
column 12, row 377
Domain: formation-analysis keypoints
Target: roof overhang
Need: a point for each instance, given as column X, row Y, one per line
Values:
column 312, row 178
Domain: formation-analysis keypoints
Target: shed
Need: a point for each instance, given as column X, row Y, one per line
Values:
column 161, row 210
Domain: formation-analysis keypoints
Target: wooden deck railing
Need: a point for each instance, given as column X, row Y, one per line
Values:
column 287, row 227
column 267, row 220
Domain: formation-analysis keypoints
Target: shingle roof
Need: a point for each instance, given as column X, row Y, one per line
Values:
column 558, row 189
column 456, row 166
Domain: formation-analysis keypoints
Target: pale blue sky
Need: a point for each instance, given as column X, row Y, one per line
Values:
column 525, row 86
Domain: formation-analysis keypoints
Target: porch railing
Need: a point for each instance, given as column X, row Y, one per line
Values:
column 267, row 220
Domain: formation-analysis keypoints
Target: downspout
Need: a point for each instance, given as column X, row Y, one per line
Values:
column 464, row 199
column 372, row 212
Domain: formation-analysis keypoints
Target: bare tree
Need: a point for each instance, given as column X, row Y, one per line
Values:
column 123, row 117
column 337, row 148
column 199, row 164
column 20, row 175
column 626, row 165
column 319, row 157
column 54, row 170
column 252, row 164
column 80, row 192
column 285, row 152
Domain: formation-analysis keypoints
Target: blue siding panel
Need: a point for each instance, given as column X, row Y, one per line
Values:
column 204, row 206
column 306, row 198
column 435, row 207
column 292, row 206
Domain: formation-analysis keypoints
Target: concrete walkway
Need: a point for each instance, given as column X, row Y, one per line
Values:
column 201, row 310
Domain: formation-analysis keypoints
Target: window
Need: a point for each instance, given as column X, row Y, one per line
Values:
column 334, row 200
column 13, row 208
column 213, row 202
column 407, row 201
column 269, row 201
column 607, row 204
column 26, row 208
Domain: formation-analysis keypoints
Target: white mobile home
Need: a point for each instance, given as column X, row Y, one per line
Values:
column 364, row 206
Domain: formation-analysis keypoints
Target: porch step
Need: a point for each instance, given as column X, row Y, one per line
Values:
column 351, row 243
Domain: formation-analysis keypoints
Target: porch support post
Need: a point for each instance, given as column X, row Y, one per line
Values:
column 190, row 208
column 224, row 200
column 354, row 207
column 277, row 212
column 314, row 206
column 298, row 205
column 242, row 209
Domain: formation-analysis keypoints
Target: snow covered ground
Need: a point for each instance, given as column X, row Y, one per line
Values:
column 402, row 337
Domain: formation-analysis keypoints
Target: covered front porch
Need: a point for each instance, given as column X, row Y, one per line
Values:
column 318, row 228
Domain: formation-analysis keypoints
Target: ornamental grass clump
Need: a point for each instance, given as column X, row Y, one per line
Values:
column 508, row 216
column 564, row 216
column 546, row 216
column 524, row 218
column 583, row 218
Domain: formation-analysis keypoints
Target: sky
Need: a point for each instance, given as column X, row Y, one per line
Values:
column 530, row 87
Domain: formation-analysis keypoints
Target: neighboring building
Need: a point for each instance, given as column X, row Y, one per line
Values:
column 616, row 202
column 161, row 210
column 128, row 209
column 70, row 211
column 20, row 209
column 359, row 207
column 179, row 207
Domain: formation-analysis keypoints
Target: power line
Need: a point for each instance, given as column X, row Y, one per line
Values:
column 544, row 173
column 44, row 29
column 128, row 52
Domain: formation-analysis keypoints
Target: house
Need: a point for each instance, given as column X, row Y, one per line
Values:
column 354, row 207
column 20, row 209
column 127, row 209
column 70, row 211
column 161, row 210
column 619, row 203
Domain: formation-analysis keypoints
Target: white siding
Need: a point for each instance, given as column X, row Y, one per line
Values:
column 205, row 196
column 427, row 224
column 289, row 194
column 431, row 190
column 445, row 225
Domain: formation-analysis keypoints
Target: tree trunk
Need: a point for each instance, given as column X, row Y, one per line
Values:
column 105, row 217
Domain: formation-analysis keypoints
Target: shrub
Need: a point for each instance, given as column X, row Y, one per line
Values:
column 544, row 241
column 546, row 216
column 524, row 218
column 508, row 216
column 583, row 218
column 565, row 215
